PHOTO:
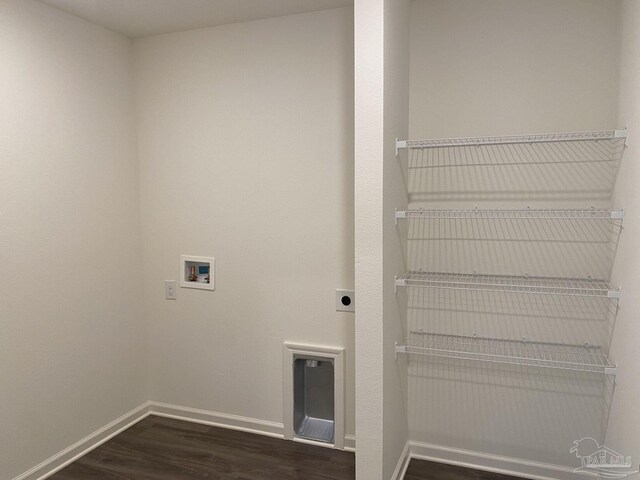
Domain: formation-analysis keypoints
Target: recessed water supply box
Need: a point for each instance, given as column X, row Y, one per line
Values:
column 314, row 394
column 197, row 272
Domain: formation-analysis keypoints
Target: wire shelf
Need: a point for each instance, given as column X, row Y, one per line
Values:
column 582, row 358
column 512, row 214
column 581, row 287
column 557, row 165
column 513, row 139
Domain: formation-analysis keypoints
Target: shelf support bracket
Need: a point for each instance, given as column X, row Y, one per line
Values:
column 400, row 214
column 617, row 214
column 400, row 349
column 399, row 282
column 607, row 370
column 617, row 294
column 400, row 144
column 621, row 133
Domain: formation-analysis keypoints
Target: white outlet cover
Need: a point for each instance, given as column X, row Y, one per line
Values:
column 345, row 300
column 170, row 289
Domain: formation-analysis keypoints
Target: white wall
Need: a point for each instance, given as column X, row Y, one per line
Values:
column 512, row 66
column 381, row 115
column 396, row 125
column 246, row 154
column 625, row 414
column 72, row 343
column 506, row 67
column 369, row 258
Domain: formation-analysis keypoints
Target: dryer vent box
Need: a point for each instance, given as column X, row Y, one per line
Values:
column 314, row 394
column 313, row 397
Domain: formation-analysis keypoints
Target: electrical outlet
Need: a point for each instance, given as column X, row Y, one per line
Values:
column 170, row 289
column 345, row 300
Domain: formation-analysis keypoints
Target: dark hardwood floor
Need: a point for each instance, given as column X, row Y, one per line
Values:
column 160, row 448
column 164, row 449
column 423, row 470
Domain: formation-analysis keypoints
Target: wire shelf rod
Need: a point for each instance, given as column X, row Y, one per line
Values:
column 512, row 139
column 511, row 214
column 581, row 287
column 536, row 163
column 584, row 358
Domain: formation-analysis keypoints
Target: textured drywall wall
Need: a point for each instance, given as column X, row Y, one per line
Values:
column 246, row 155
column 382, row 76
column 72, row 335
column 496, row 67
column 500, row 67
column 396, row 125
column 622, row 434
column 369, row 169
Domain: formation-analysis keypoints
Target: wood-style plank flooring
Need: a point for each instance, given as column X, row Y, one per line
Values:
column 423, row 470
column 164, row 449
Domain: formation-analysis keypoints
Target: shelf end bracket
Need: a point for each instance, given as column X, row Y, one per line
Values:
column 617, row 133
column 617, row 294
column 399, row 282
column 617, row 214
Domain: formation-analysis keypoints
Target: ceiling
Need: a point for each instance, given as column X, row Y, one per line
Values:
column 139, row 18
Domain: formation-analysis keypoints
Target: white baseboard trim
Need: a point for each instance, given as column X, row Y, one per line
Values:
column 234, row 422
column 60, row 460
column 418, row 450
column 403, row 463
column 90, row 442
column 493, row 463
column 215, row 419
column 350, row 443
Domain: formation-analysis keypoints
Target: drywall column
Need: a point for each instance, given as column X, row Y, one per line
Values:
column 369, row 153
column 380, row 46
column 72, row 344
column 622, row 434
column 396, row 125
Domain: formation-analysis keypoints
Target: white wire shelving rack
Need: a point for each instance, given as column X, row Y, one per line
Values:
column 614, row 136
column 581, row 358
column 511, row 214
column 580, row 287
column 592, row 159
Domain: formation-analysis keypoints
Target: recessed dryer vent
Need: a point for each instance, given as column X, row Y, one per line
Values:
column 314, row 394
column 313, row 399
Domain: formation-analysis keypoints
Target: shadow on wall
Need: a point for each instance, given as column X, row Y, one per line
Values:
column 512, row 316
column 565, row 170
column 575, row 248
column 520, row 412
